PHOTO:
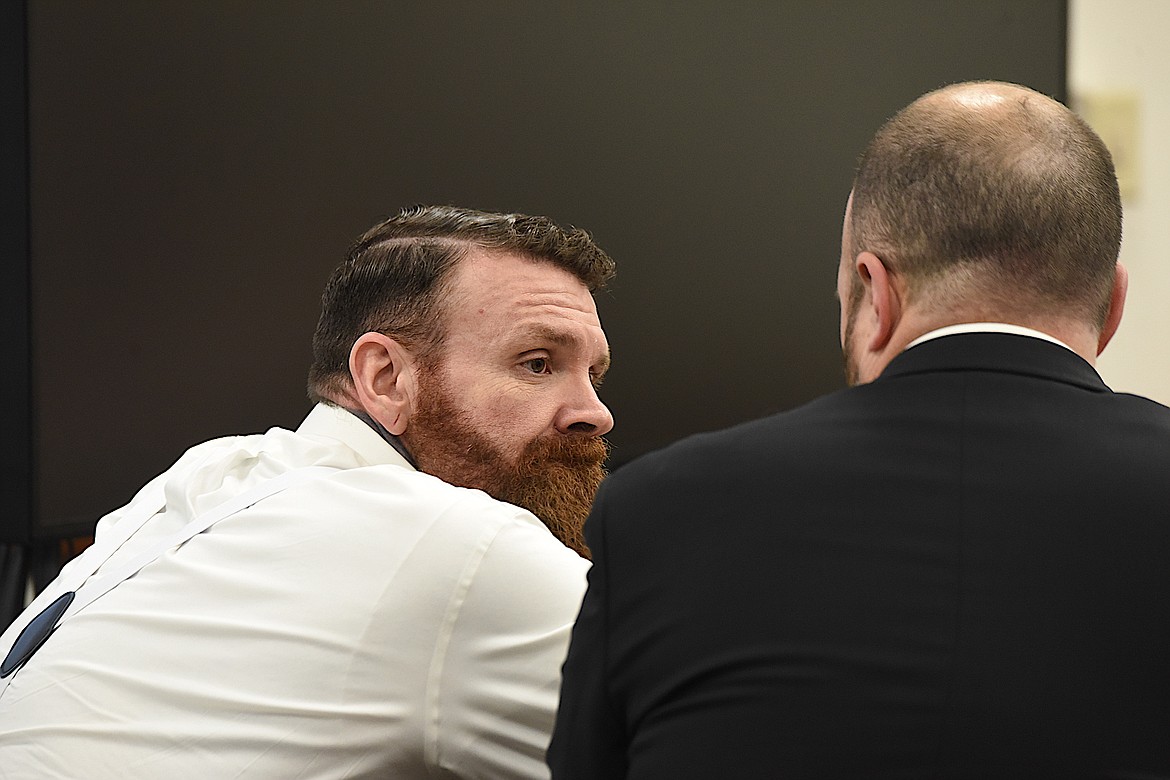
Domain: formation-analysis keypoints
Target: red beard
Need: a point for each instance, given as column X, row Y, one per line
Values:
column 555, row 478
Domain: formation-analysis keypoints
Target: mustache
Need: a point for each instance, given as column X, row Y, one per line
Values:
column 567, row 451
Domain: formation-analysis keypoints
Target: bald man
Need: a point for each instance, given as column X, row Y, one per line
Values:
column 957, row 567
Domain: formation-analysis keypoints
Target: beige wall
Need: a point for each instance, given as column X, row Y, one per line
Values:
column 1119, row 77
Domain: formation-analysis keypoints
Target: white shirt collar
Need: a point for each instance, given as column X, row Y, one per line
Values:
column 987, row 327
column 336, row 423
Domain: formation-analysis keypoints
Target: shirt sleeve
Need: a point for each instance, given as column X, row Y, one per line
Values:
column 104, row 526
column 495, row 688
column 66, row 576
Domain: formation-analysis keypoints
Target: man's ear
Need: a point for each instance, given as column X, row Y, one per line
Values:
column 882, row 297
column 1116, row 307
column 384, row 380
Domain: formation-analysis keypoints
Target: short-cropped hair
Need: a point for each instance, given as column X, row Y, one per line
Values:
column 1018, row 203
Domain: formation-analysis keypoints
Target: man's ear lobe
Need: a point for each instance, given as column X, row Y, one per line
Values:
column 883, row 298
column 384, row 381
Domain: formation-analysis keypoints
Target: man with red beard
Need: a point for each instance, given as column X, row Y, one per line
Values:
column 386, row 591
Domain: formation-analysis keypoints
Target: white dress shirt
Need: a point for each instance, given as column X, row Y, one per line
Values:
column 374, row 622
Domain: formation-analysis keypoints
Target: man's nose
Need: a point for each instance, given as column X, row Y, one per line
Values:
column 585, row 414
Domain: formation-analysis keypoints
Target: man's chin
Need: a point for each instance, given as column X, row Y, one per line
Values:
column 557, row 480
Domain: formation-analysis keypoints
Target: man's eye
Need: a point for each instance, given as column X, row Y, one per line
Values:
column 537, row 365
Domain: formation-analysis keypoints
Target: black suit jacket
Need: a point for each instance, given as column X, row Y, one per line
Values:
column 960, row 570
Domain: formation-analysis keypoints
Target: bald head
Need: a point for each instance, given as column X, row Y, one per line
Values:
column 991, row 201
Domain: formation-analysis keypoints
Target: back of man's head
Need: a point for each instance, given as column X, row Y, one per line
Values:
column 992, row 200
column 394, row 278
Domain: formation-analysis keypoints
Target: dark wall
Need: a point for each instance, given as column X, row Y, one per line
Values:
column 15, row 347
column 199, row 168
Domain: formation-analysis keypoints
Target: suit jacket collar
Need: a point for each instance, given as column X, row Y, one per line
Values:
column 1002, row 352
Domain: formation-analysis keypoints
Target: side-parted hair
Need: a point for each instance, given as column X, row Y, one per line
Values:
column 1011, row 201
column 394, row 278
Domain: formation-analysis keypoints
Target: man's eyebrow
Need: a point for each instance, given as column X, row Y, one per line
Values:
column 558, row 337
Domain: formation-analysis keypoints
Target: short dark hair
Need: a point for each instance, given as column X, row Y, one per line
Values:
column 393, row 278
column 1019, row 203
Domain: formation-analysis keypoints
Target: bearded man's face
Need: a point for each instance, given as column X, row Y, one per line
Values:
column 508, row 403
